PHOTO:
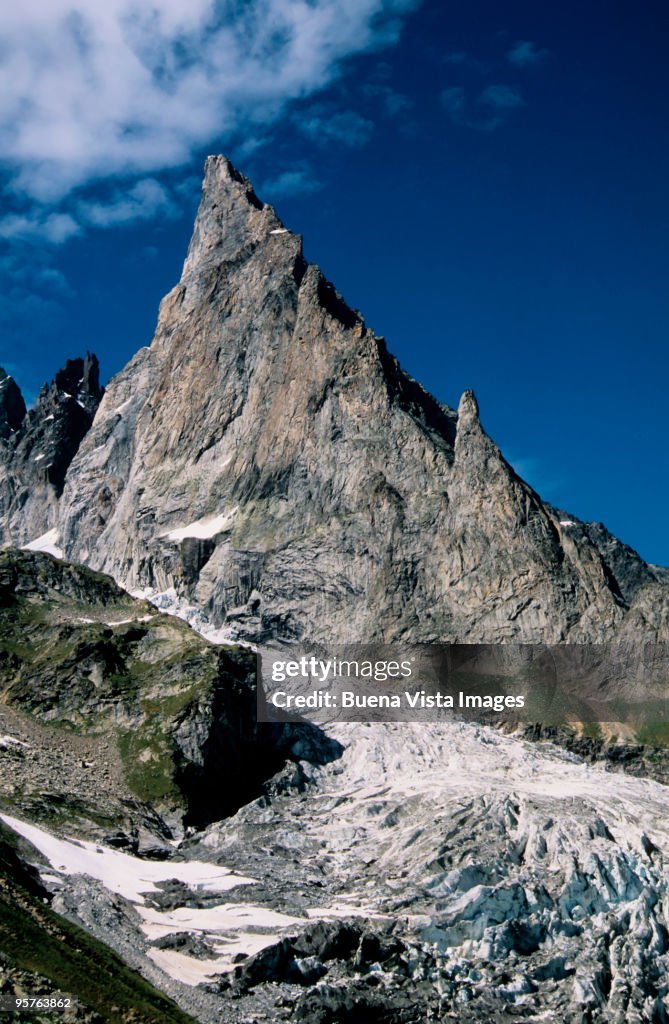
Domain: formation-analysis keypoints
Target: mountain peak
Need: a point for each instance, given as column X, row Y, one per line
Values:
column 231, row 219
column 12, row 406
column 468, row 409
column 220, row 172
column 42, row 444
column 268, row 459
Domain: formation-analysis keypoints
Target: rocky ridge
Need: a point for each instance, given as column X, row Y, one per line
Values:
column 268, row 459
column 12, row 406
column 37, row 446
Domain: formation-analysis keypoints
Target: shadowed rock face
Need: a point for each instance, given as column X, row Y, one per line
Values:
column 268, row 458
column 12, row 406
column 40, row 445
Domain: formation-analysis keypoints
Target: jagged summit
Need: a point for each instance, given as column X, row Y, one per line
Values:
column 40, row 448
column 269, row 459
column 12, row 405
column 80, row 379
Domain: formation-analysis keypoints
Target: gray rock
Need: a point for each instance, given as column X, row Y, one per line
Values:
column 333, row 497
column 40, row 445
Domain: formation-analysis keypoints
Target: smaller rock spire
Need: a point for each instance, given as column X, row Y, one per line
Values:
column 468, row 409
column 12, row 406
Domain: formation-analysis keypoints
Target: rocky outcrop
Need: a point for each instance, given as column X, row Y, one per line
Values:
column 139, row 707
column 269, row 459
column 40, row 445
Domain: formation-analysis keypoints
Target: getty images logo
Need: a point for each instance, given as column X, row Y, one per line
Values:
column 322, row 670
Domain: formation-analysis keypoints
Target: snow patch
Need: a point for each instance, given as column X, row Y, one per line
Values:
column 122, row 873
column 38, row 458
column 203, row 529
column 568, row 522
column 48, row 543
column 280, row 231
column 125, row 622
column 186, row 969
column 232, row 928
column 211, row 920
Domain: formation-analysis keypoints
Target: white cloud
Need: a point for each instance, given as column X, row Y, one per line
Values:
column 524, row 53
column 144, row 201
column 89, row 91
column 38, row 226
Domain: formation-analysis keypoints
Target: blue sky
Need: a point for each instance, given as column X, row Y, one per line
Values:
column 486, row 182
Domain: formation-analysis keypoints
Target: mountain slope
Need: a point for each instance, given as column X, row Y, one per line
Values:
column 43, row 954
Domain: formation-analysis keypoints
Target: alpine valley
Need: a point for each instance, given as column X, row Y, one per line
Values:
column 265, row 474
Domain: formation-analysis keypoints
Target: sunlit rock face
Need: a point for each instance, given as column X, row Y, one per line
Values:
column 269, row 459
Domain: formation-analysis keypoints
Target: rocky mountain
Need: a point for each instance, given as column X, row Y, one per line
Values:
column 37, row 447
column 269, row 459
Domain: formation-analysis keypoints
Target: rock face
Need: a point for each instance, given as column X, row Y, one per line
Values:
column 36, row 448
column 270, row 460
column 12, row 406
column 170, row 719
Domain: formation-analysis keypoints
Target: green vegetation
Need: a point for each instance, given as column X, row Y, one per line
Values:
column 653, row 734
column 148, row 764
